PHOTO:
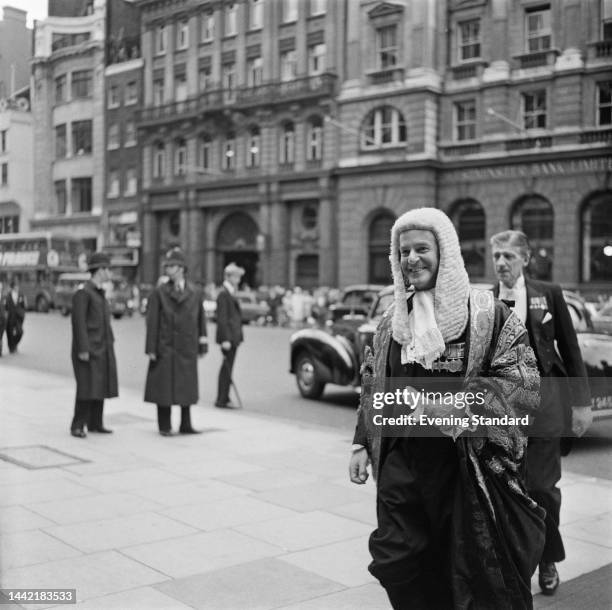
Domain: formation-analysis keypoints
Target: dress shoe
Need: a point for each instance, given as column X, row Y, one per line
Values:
column 225, row 405
column 166, row 432
column 79, row 433
column 548, row 578
column 101, row 430
column 189, row 431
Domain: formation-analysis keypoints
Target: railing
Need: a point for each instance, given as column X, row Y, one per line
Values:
column 526, row 143
column 321, row 85
column 601, row 48
column 535, row 60
column 461, row 150
column 386, row 75
column 276, row 92
column 597, row 135
column 208, row 100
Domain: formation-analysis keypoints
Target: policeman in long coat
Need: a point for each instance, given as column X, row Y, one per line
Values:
column 93, row 353
column 176, row 335
column 15, row 315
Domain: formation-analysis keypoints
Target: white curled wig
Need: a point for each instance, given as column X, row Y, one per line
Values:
column 451, row 292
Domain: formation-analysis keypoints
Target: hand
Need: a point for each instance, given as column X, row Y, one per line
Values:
column 203, row 349
column 582, row 418
column 152, row 357
column 83, row 356
column 358, row 466
column 226, row 346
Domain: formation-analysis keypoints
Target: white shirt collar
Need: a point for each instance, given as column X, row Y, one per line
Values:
column 519, row 285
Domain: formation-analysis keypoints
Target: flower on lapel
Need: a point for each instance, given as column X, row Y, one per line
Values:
column 547, row 317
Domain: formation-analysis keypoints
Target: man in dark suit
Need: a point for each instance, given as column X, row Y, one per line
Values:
column 565, row 396
column 229, row 330
column 176, row 337
column 93, row 353
column 15, row 315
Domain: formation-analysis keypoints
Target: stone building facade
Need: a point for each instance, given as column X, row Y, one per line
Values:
column 288, row 135
column 68, row 110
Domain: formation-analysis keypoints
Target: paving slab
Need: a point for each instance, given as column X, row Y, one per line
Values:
column 132, row 479
column 202, row 552
column 19, row 549
column 306, row 530
column 200, row 492
column 106, row 534
column 19, row 518
column 364, row 511
column 344, row 562
column 91, row 575
column 258, row 585
column 227, row 513
column 143, row 598
column 53, row 489
column 93, row 508
column 370, row 597
column 305, row 498
column 264, row 480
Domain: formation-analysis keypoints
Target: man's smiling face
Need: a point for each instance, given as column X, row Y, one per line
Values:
column 419, row 258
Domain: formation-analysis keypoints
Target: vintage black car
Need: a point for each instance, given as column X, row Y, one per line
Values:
column 355, row 300
column 333, row 355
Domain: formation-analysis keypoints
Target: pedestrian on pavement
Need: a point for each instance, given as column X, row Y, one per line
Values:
column 176, row 336
column 565, row 404
column 93, row 352
column 2, row 316
column 456, row 528
column 15, row 315
column 229, row 330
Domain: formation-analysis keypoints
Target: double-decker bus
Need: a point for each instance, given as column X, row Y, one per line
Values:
column 36, row 260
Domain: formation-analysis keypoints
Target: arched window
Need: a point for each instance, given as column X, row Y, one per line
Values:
column 287, row 144
column 469, row 219
column 180, row 157
column 597, row 238
column 535, row 217
column 314, row 139
column 379, row 238
column 383, row 127
column 229, row 152
column 307, row 271
column 253, row 151
column 205, row 151
column 159, row 160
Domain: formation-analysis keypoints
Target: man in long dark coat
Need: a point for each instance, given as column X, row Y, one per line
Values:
column 176, row 335
column 2, row 316
column 93, row 353
column 15, row 315
column 565, row 406
column 229, row 330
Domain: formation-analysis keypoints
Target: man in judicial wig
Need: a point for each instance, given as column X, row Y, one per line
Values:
column 456, row 527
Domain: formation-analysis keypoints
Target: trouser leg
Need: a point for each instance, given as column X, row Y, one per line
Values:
column 411, row 547
column 164, row 419
column 185, row 419
column 225, row 376
column 96, row 408
column 543, row 473
column 81, row 414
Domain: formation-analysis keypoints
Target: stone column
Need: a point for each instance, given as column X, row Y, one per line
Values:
column 150, row 246
column 328, row 238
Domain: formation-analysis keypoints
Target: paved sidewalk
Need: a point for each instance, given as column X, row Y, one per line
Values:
column 253, row 514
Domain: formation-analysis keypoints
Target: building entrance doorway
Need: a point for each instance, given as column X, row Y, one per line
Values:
column 237, row 243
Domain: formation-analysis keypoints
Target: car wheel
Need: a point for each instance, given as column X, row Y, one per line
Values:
column 117, row 316
column 309, row 385
column 42, row 304
column 65, row 311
